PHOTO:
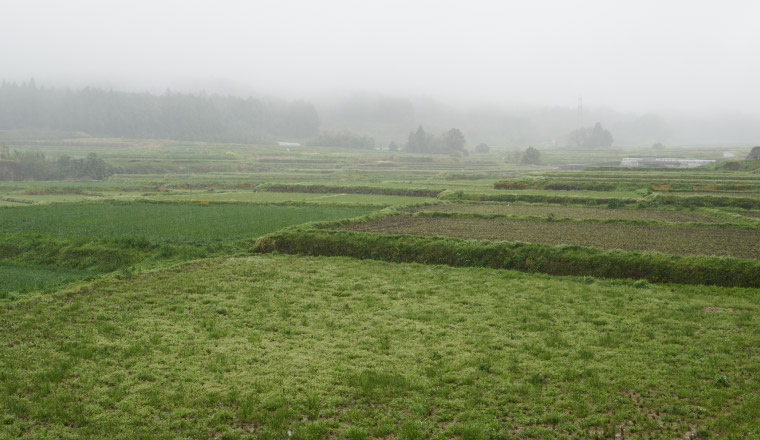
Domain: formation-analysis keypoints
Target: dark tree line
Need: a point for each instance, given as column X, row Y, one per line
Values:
column 143, row 115
column 588, row 137
column 344, row 139
column 450, row 142
column 33, row 165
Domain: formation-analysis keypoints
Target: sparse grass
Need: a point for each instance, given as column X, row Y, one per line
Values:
column 205, row 351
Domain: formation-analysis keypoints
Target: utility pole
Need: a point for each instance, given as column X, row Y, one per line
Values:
column 580, row 112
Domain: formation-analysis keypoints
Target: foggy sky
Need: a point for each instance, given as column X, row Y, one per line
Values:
column 646, row 56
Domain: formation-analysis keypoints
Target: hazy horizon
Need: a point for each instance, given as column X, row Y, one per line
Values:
column 695, row 58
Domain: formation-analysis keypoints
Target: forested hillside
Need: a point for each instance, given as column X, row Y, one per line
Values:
column 143, row 115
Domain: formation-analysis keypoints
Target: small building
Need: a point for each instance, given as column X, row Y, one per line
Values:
column 288, row 144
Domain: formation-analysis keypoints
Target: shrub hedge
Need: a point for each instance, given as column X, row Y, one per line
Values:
column 534, row 198
column 564, row 185
column 103, row 254
column 412, row 192
column 707, row 201
column 528, row 257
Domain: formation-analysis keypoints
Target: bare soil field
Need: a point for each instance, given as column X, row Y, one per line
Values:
column 573, row 212
column 667, row 239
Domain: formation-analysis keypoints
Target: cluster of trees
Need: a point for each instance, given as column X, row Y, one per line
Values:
column 482, row 148
column 143, row 115
column 588, row 137
column 531, row 156
column 345, row 139
column 450, row 142
column 32, row 165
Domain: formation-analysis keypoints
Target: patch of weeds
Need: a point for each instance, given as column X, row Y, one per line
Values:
column 641, row 284
column 586, row 354
column 411, row 430
column 384, row 343
column 371, row 383
column 313, row 405
column 469, row 432
column 537, row 379
column 356, row 433
column 555, row 340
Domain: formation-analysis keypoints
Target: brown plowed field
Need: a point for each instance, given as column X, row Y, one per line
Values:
column 574, row 212
column 667, row 239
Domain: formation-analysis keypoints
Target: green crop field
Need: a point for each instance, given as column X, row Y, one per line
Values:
column 667, row 239
column 23, row 278
column 164, row 222
column 305, row 348
column 50, row 245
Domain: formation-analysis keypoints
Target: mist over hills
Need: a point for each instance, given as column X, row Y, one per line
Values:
column 385, row 118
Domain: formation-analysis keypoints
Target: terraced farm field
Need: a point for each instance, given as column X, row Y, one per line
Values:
column 667, row 239
column 581, row 212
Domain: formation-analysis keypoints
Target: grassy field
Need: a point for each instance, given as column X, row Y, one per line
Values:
column 338, row 348
column 667, row 239
column 164, row 222
column 580, row 212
